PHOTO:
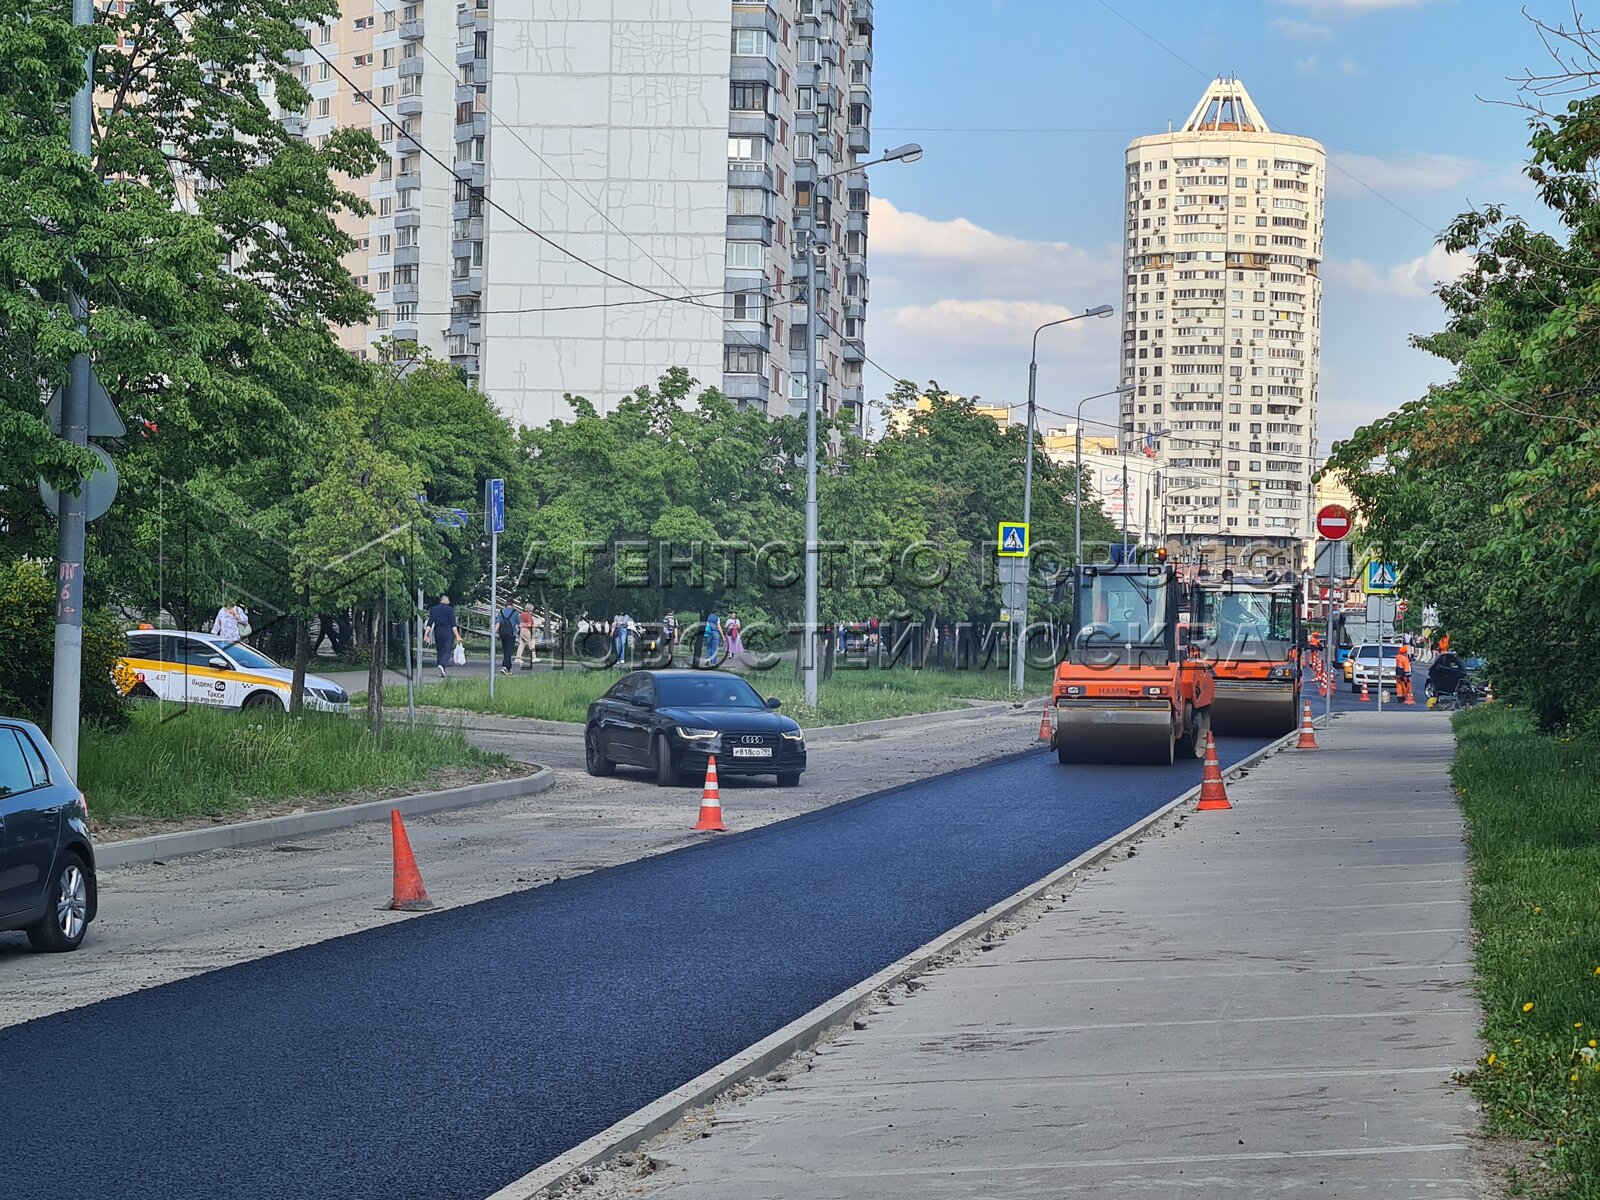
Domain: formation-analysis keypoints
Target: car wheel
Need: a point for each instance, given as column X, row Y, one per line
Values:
column 789, row 779
column 594, row 755
column 66, row 919
column 666, row 771
column 256, row 701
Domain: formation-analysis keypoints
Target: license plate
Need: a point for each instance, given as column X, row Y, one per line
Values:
column 752, row 751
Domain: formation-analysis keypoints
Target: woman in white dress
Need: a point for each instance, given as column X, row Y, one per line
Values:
column 231, row 622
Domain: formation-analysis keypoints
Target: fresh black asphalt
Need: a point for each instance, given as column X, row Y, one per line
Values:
column 449, row 1054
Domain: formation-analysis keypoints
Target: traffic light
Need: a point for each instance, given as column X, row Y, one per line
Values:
column 1161, row 554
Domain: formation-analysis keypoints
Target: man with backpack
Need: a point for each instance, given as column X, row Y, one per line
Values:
column 507, row 626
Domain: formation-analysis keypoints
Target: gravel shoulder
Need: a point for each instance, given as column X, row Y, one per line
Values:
column 167, row 921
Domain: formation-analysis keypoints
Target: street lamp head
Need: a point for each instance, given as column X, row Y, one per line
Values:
column 1125, row 390
column 910, row 152
column 1099, row 310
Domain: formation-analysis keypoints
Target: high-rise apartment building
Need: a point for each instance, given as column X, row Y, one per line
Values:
column 579, row 197
column 1222, row 329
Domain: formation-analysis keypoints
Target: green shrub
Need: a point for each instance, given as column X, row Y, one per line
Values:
column 27, row 650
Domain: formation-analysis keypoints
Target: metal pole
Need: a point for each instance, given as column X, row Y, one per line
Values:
column 1124, row 504
column 1330, row 652
column 411, row 667
column 494, row 572
column 1077, row 489
column 807, row 650
column 1020, row 640
column 67, row 672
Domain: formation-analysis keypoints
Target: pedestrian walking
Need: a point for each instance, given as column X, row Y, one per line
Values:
column 620, row 625
column 713, row 639
column 669, row 628
column 733, row 628
column 506, row 627
column 232, row 623
column 443, row 632
column 527, row 637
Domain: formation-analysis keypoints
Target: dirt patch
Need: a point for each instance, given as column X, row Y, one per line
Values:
column 124, row 829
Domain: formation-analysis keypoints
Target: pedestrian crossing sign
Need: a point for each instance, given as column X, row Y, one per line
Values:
column 1012, row 541
column 1381, row 578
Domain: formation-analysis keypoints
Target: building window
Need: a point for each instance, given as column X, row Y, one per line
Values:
column 322, row 107
column 384, row 242
column 743, row 360
column 748, row 202
column 383, row 281
column 386, row 169
column 325, row 34
column 806, row 100
column 808, row 50
column 388, row 20
column 805, row 145
column 363, row 22
column 480, row 44
column 388, row 57
column 385, row 206
column 749, row 97
column 746, row 256
column 747, row 149
column 752, row 42
column 324, row 72
column 405, row 313
column 749, row 306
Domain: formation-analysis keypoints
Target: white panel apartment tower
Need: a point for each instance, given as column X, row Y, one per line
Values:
column 1222, row 329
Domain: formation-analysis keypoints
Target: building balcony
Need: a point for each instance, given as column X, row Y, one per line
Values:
column 405, row 293
column 860, row 52
column 855, row 221
column 750, row 175
column 765, row 17
column 407, row 256
column 477, row 127
column 472, row 231
column 404, row 331
column 466, row 52
column 753, row 124
column 472, row 172
column 409, row 106
column 408, row 218
column 410, row 31
column 412, row 68
column 746, row 390
column 409, row 179
column 406, row 144
column 861, row 10
column 470, row 284
column 754, row 70
column 853, row 397
column 855, row 306
column 855, row 350
column 858, row 139
column 750, row 229
column 748, row 335
column 466, row 93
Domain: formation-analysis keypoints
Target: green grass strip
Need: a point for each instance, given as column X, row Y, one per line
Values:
column 1532, row 803
column 174, row 763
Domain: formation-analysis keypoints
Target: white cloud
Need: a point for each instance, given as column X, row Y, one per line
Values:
column 1417, row 173
column 979, row 322
column 1297, row 30
column 1306, row 65
column 1416, row 278
column 1349, row 66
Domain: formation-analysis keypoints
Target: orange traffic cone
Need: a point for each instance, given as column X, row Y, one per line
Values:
column 1045, row 732
column 1308, row 732
column 1212, row 794
column 711, row 801
column 1366, row 697
column 409, row 894
column 1408, row 698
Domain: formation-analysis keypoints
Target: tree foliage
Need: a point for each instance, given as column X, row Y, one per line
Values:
column 1487, row 490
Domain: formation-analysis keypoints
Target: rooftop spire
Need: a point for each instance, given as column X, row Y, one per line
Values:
column 1226, row 108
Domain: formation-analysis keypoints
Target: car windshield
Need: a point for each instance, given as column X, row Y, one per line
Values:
column 706, row 691
column 1374, row 651
column 250, row 660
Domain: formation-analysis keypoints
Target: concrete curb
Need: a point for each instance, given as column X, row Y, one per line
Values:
column 657, row 1117
column 276, row 829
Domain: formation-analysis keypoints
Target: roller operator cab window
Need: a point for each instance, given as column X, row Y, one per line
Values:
column 1123, row 610
column 1252, row 626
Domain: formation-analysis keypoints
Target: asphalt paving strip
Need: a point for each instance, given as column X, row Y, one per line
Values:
column 451, row 1054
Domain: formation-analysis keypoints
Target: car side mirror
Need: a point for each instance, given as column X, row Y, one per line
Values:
column 218, row 662
column 641, row 702
column 774, row 702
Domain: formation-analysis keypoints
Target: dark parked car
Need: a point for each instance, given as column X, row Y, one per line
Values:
column 673, row 721
column 47, row 883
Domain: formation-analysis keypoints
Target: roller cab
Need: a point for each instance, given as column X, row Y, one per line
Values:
column 1249, row 632
column 1130, row 689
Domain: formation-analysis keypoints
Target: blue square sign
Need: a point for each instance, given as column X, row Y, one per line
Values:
column 1012, row 540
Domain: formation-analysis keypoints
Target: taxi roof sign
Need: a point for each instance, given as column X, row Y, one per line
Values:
column 1012, row 540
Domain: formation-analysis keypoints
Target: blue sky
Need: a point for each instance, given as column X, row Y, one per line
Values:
column 996, row 231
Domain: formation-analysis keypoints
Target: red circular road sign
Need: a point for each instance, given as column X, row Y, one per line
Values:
column 1400, row 607
column 1333, row 522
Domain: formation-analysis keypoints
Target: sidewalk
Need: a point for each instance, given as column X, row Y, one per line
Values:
column 1268, row 1001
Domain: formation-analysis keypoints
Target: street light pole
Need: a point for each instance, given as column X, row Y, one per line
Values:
column 815, row 251
column 1077, row 467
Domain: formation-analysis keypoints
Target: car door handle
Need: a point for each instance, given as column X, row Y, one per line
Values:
column 50, row 812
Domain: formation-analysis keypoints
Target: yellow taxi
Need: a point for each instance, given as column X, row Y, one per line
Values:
column 201, row 668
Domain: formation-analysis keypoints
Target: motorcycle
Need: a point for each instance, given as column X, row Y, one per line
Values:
column 1469, row 692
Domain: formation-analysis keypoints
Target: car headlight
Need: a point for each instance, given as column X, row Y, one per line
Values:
column 1283, row 672
column 698, row 734
column 796, row 736
column 1155, row 691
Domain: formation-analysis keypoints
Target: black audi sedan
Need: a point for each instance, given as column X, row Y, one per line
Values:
column 673, row 721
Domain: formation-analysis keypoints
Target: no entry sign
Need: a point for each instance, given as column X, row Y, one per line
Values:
column 1333, row 522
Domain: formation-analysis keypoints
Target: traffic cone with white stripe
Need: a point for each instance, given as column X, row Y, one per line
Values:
column 1046, row 733
column 1366, row 696
column 1308, row 732
column 1212, row 794
column 711, row 802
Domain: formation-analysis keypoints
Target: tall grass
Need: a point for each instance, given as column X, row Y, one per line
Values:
column 1533, row 807
column 851, row 695
column 205, row 763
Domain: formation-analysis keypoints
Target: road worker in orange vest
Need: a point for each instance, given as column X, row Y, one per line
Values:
column 1402, row 676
